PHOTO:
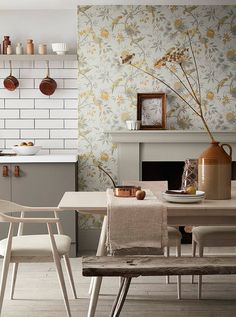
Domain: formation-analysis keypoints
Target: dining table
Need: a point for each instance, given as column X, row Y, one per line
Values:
column 205, row 212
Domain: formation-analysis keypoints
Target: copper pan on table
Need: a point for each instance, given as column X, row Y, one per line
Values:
column 126, row 191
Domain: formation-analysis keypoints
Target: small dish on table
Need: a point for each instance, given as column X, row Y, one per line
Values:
column 177, row 196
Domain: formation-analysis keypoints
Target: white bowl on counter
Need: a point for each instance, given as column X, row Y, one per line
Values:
column 26, row 150
column 59, row 48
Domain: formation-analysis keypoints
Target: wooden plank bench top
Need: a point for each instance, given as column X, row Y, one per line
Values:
column 157, row 266
column 134, row 266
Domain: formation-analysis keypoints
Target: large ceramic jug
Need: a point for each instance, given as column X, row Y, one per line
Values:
column 214, row 171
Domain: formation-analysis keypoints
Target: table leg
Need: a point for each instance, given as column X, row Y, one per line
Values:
column 97, row 281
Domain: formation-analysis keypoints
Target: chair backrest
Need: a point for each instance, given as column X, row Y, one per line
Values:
column 154, row 186
column 8, row 206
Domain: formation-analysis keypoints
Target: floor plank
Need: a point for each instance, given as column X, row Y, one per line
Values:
column 38, row 294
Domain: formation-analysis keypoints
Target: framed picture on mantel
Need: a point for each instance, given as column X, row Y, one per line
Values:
column 151, row 111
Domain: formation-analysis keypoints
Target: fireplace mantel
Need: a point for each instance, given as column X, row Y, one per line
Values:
column 134, row 147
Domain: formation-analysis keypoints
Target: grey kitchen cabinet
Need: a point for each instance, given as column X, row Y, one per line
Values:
column 40, row 184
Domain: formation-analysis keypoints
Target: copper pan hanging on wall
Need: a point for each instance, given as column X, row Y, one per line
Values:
column 11, row 82
column 48, row 85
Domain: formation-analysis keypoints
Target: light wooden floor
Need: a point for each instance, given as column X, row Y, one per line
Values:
column 38, row 295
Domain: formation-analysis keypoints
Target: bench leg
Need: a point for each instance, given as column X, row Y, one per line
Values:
column 194, row 246
column 120, row 298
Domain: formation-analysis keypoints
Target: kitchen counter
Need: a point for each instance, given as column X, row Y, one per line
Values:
column 39, row 159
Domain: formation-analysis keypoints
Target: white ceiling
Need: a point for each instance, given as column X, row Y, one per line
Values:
column 71, row 4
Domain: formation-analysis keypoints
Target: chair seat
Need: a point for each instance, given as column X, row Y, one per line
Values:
column 36, row 245
column 215, row 235
column 174, row 235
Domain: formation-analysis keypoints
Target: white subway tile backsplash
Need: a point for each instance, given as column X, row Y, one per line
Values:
column 33, row 73
column 2, row 144
column 50, row 144
column 71, row 83
column 64, row 134
column 71, row 103
column 7, row 114
column 64, row 73
column 71, row 64
column 19, row 124
column 9, row 134
column 4, row 93
column 65, row 93
column 6, row 72
column 35, row 134
column 11, row 142
column 50, row 124
column 71, row 144
column 34, row 114
column 64, row 114
column 22, row 64
column 71, row 124
column 19, row 103
column 49, row 103
column 26, row 114
column 26, row 83
column 32, row 93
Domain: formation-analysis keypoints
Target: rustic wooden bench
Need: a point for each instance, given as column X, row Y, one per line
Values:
column 128, row 267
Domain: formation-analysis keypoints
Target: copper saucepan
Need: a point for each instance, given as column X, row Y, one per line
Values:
column 11, row 82
column 48, row 85
column 126, row 191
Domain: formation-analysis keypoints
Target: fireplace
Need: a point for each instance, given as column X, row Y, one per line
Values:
column 160, row 155
column 137, row 147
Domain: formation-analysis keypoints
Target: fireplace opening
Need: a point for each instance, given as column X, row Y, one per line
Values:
column 158, row 171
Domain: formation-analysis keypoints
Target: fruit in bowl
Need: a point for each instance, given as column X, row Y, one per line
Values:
column 26, row 148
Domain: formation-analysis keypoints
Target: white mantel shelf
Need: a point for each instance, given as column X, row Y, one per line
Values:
column 36, row 57
column 169, row 136
column 135, row 147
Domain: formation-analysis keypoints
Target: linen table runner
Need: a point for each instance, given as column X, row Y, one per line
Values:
column 136, row 226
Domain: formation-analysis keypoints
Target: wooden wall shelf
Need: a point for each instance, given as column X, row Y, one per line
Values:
column 49, row 57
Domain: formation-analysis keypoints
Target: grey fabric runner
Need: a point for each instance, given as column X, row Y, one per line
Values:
column 136, row 226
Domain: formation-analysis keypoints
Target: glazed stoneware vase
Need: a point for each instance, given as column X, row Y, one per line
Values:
column 214, row 171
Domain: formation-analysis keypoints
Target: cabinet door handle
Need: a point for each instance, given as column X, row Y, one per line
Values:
column 17, row 171
column 5, row 171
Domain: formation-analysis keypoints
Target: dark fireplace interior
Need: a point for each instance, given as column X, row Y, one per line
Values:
column 172, row 172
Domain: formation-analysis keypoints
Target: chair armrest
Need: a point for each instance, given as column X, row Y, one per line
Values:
column 6, row 218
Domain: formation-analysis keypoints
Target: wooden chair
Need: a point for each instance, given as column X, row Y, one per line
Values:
column 33, row 248
column 212, row 236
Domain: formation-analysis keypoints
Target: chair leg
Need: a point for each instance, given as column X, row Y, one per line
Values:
column 57, row 262
column 70, row 275
column 194, row 246
column 120, row 299
column 97, row 281
column 200, row 276
column 178, row 254
column 5, row 266
column 13, row 279
column 167, row 255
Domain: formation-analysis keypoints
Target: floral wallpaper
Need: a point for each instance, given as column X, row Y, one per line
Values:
column 108, row 89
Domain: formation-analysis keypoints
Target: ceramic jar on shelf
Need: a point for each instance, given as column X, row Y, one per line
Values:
column 30, row 47
column 214, row 171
